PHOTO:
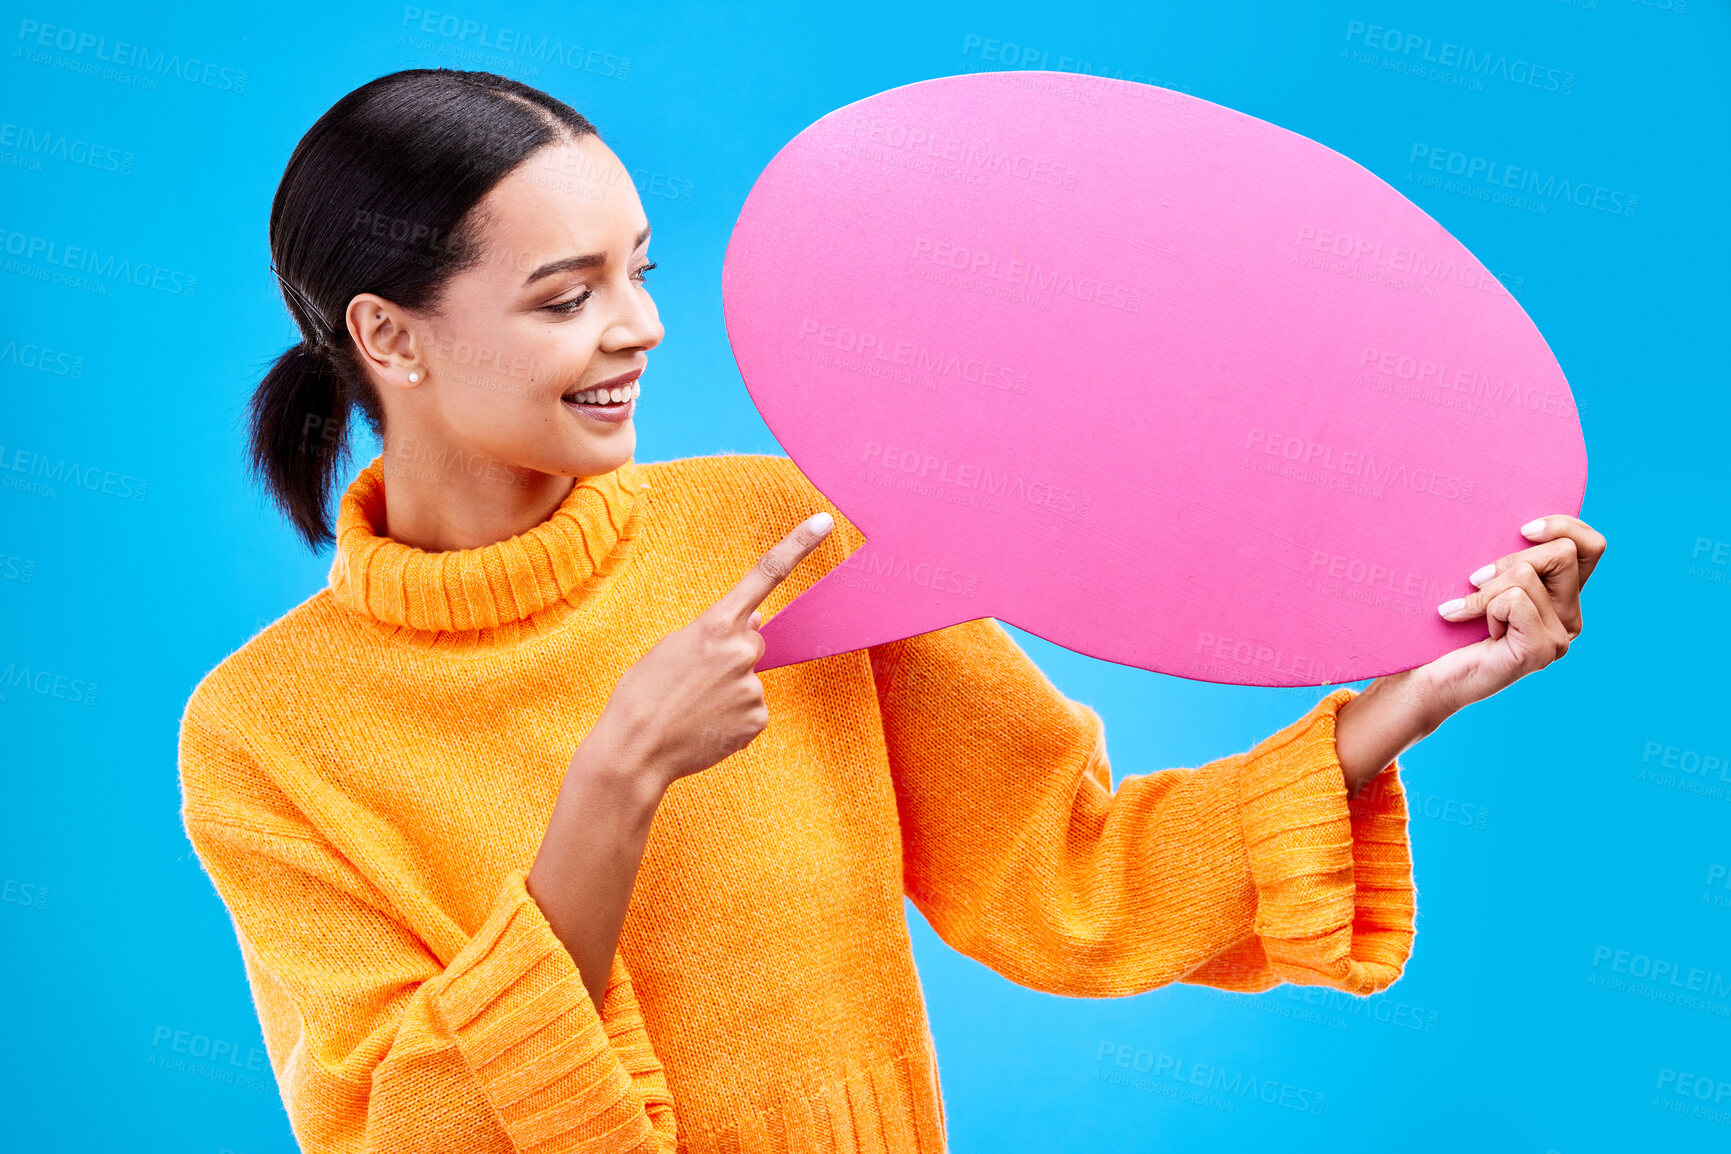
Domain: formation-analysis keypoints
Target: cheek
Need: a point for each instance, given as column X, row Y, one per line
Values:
column 512, row 372
column 498, row 378
column 547, row 360
column 487, row 404
column 568, row 350
column 480, row 409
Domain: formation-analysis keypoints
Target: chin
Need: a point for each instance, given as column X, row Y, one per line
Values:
column 604, row 459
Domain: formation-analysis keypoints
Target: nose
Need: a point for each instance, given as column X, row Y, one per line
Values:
column 635, row 324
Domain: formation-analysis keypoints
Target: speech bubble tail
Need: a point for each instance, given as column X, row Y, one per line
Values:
column 866, row 600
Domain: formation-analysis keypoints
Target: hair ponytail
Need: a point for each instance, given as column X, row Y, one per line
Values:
column 376, row 198
column 299, row 437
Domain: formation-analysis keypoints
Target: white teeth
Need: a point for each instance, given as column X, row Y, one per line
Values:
column 613, row 396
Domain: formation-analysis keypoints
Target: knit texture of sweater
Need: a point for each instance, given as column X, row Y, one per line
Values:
column 367, row 780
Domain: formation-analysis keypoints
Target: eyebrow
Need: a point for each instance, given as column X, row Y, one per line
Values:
column 588, row 260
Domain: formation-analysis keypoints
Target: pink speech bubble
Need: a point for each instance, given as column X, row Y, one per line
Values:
column 1147, row 377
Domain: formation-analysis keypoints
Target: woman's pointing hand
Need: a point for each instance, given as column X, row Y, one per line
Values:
column 693, row 699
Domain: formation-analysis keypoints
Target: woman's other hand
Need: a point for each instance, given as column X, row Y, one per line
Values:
column 1531, row 602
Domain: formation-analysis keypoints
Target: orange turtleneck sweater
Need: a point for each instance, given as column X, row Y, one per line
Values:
column 366, row 782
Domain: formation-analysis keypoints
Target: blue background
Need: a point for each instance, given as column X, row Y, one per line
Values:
column 1548, row 828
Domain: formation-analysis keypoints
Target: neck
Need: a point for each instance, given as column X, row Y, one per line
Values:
column 518, row 561
column 447, row 501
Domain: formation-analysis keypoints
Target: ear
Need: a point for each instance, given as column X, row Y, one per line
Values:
column 384, row 337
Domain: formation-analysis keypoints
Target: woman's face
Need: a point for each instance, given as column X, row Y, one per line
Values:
column 556, row 306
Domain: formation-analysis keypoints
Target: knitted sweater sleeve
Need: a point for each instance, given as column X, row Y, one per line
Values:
column 377, row 1043
column 1243, row 873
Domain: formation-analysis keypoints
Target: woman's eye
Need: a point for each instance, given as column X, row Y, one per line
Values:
column 576, row 302
column 573, row 304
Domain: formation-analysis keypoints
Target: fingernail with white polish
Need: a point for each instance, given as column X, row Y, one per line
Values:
column 1532, row 527
column 820, row 522
column 1480, row 576
column 1448, row 607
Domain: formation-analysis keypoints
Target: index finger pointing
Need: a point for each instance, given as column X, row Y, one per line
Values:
column 774, row 566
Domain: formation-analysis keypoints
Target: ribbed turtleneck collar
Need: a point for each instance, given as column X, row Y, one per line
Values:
column 490, row 586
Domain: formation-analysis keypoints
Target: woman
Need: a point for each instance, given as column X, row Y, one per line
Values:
column 516, row 858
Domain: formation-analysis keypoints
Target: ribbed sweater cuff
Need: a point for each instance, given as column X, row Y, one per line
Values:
column 1334, row 886
column 529, row 1031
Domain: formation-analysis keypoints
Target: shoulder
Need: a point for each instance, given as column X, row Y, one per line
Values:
column 738, row 505
column 269, row 665
column 255, row 691
column 765, row 494
column 731, row 476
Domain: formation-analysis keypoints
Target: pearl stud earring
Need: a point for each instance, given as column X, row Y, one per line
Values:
column 414, row 378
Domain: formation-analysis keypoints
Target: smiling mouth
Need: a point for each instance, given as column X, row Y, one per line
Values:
column 617, row 396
